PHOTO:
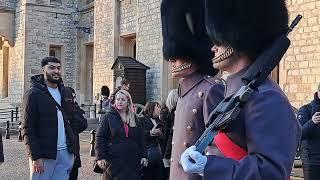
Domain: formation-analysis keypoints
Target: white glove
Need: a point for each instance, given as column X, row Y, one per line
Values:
column 190, row 167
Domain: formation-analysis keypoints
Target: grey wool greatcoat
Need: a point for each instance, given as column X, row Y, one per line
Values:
column 261, row 143
column 198, row 96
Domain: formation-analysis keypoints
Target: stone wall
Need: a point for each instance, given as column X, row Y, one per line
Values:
column 1, row 71
column 45, row 29
column 300, row 68
column 128, row 16
column 104, row 51
column 149, row 44
column 16, row 58
column 83, row 39
column 53, row 3
column 10, row 4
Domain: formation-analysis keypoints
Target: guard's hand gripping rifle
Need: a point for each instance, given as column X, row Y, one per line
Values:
column 229, row 108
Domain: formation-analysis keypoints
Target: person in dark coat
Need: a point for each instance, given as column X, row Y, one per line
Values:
column 187, row 47
column 120, row 144
column 46, row 124
column 153, row 131
column 105, row 100
column 167, row 116
column 78, row 123
column 309, row 118
column 262, row 142
column 1, row 150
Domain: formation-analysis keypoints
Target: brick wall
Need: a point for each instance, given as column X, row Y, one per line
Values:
column 300, row 68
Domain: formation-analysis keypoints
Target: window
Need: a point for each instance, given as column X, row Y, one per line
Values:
column 55, row 51
column 128, row 46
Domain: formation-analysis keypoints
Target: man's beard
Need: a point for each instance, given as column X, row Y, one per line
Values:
column 51, row 79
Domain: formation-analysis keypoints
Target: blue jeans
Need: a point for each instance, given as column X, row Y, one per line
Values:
column 58, row 169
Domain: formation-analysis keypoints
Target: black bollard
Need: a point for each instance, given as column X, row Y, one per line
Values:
column 20, row 134
column 8, row 130
column 17, row 111
column 95, row 111
column 12, row 112
column 92, row 142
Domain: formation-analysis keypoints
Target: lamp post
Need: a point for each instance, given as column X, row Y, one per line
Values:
column 76, row 20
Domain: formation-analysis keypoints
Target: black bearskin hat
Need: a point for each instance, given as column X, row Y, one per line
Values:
column 248, row 26
column 184, row 33
column 105, row 91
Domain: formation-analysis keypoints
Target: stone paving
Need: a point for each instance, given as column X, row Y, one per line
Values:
column 16, row 163
column 16, row 166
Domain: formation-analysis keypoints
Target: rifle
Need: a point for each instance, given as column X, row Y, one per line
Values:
column 230, row 107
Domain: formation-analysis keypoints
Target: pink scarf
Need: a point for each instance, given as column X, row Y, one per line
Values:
column 125, row 125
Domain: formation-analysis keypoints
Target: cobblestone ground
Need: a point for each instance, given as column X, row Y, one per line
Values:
column 16, row 166
column 16, row 163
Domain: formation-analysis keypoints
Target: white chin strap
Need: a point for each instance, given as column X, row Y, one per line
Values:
column 182, row 67
column 227, row 53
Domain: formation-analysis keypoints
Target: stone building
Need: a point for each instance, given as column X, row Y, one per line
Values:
column 299, row 71
column 88, row 35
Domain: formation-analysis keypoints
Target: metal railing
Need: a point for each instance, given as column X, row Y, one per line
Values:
column 11, row 114
column 11, row 123
column 90, row 110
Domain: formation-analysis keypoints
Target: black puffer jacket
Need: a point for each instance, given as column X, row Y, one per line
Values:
column 124, row 153
column 168, row 119
column 40, row 121
column 310, row 142
column 79, row 124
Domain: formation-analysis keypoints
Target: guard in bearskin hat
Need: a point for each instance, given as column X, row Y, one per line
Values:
column 187, row 46
column 262, row 142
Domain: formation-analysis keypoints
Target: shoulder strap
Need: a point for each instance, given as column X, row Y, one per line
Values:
column 55, row 102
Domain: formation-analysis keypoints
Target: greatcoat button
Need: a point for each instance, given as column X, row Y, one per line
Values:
column 189, row 128
column 194, row 111
column 186, row 144
column 172, row 127
column 200, row 94
column 172, row 143
column 171, row 159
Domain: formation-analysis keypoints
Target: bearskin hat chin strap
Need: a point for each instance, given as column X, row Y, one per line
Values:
column 182, row 67
column 227, row 53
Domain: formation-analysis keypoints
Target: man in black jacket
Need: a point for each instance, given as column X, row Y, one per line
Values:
column 309, row 118
column 79, row 124
column 46, row 125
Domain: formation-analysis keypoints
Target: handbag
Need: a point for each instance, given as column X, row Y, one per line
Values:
column 98, row 169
